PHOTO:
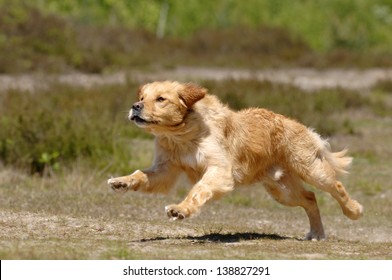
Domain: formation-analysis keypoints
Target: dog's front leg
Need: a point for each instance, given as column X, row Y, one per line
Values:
column 157, row 179
column 215, row 183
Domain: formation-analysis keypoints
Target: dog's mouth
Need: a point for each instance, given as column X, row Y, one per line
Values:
column 140, row 121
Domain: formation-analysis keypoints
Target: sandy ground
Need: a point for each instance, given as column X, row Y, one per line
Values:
column 220, row 232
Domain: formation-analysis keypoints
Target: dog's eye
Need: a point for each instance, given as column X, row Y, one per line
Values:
column 160, row 99
column 141, row 99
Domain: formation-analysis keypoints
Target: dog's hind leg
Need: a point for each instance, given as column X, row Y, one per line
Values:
column 322, row 173
column 312, row 160
column 288, row 190
column 350, row 207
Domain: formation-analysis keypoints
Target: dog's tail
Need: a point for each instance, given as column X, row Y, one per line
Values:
column 339, row 161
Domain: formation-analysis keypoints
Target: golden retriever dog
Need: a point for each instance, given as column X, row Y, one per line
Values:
column 219, row 149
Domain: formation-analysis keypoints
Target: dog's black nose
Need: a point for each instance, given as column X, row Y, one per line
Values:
column 138, row 106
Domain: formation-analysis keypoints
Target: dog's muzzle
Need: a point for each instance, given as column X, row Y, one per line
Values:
column 136, row 115
column 136, row 110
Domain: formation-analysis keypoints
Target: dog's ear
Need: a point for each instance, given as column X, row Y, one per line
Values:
column 191, row 93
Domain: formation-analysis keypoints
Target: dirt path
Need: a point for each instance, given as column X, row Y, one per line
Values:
column 305, row 79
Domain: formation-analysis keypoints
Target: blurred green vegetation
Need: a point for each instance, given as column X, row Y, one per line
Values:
column 96, row 36
column 323, row 24
column 47, row 130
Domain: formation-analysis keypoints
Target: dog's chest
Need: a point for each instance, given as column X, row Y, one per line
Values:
column 193, row 160
column 193, row 164
column 188, row 160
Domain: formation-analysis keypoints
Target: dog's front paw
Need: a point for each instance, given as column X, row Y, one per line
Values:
column 135, row 181
column 120, row 184
column 176, row 212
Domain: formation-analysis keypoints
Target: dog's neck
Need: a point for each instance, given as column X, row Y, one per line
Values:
column 184, row 134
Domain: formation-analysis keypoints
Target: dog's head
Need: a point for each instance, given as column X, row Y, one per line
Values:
column 164, row 104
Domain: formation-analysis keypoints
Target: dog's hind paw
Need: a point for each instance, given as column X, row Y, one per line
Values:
column 353, row 209
column 315, row 236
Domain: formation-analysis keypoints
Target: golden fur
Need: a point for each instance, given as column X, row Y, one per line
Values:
column 219, row 149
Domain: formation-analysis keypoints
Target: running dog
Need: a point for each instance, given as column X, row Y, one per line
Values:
column 220, row 149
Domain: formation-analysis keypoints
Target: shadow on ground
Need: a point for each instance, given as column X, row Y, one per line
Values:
column 223, row 238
